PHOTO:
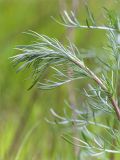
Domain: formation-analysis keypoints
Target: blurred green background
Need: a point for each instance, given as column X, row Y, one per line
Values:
column 24, row 133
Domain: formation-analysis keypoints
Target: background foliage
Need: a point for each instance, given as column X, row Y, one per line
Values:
column 24, row 133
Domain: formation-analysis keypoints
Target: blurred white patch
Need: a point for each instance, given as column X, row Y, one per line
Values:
column 118, row 38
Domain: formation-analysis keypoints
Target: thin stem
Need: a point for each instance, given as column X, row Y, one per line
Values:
column 100, row 83
column 91, row 27
column 116, row 107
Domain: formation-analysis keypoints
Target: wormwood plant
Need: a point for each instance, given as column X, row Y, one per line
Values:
column 98, row 118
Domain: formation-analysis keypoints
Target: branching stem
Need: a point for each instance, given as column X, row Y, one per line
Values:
column 101, row 84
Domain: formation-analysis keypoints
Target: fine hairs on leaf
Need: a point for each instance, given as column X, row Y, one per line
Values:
column 101, row 104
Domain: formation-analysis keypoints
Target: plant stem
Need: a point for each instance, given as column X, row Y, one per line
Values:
column 91, row 27
column 116, row 107
column 100, row 83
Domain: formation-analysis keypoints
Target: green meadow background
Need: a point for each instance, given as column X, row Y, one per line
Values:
column 24, row 132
